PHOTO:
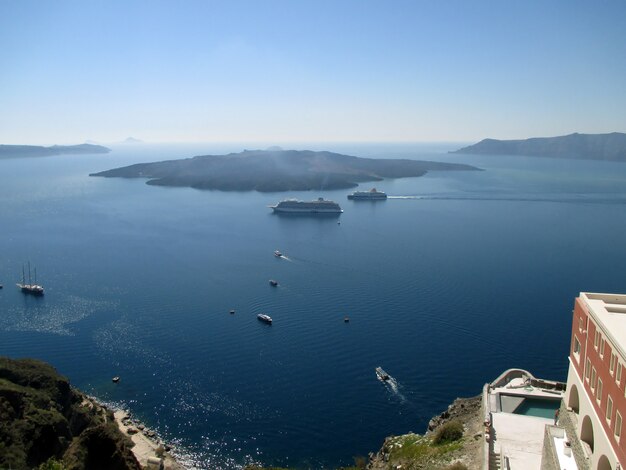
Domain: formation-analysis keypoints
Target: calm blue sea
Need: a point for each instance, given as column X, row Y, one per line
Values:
column 459, row 276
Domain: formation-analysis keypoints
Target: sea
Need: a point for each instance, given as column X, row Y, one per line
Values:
column 455, row 278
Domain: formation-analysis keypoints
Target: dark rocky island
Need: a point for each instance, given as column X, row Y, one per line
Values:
column 44, row 421
column 277, row 170
column 610, row 147
column 17, row 151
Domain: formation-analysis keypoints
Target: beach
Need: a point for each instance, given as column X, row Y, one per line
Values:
column 147, row 445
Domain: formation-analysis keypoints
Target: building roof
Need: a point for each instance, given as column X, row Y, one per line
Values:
column 609, row 313
column 516, row 436
column 520, row 438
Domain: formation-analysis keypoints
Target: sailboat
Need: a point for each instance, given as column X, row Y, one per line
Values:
column 31, row 288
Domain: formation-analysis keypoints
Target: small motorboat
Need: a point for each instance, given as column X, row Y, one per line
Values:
column 115, row 379
column 264, row 318
column 273, row 283
column 278, row 254
column 232, row 312
column 382, row 375
column 346, row 319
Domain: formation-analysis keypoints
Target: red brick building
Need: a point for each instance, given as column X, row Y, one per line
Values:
column 596, row 380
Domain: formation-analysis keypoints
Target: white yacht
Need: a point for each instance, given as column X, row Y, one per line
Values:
column 321, row 206
column 382, row 375
column 264, row 318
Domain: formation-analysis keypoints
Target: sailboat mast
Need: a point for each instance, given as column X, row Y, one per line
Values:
column 35, row 275
column 23, row 275
column 30, row 281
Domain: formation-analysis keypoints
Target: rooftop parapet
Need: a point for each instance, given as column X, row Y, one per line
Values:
column 608, row 311
column 509, row 375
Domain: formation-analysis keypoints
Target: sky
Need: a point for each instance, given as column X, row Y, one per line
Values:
column 309, row 71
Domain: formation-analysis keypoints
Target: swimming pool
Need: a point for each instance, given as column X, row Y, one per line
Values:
column 539, row 407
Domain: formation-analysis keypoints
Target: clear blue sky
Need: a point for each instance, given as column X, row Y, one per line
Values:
column 294, row 71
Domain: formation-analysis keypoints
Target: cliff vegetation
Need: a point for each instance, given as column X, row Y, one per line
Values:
column 453, row 441
column 45, row 423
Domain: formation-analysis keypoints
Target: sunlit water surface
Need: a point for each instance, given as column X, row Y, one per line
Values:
column 458, row 276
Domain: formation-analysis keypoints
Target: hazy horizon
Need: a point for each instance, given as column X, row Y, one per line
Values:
column 270, row 143
column 261, row 144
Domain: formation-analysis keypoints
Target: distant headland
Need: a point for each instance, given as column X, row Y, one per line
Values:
column 18, row 151
column 277, row 170
column 610, row 147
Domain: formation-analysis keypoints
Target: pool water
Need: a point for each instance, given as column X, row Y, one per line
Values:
column 539, row 407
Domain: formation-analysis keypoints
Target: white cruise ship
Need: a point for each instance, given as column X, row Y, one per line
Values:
column 321, row 206
column 370, row 195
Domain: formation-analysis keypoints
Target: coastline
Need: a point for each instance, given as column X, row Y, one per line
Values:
column 416, row 450
column 147, row 446
column 152, row 453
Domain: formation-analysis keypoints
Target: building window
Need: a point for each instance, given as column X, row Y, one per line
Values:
column 602, row 343
column 580, row 323
column 612, row 363
column 593, row 378
column 609, row 409
column 618, row 374
column 596, row 340
column 587, row 369
column 576, row 348
column 618, row 425
column 599, row 391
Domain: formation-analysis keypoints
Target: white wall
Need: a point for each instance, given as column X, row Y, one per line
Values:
column 602, row 445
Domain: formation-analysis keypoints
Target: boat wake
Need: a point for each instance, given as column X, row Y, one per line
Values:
column 575, row 199
column 280, row 255
column 393, row 386
column 390, row 383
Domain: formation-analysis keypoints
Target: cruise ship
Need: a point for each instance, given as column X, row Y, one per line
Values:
column 371, row 195
column 321, row 206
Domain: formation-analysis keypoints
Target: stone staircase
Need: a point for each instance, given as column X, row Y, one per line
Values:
column 494, row 461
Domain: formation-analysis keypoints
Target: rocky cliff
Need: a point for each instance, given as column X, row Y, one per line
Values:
column 43, row 419
column 453, row 441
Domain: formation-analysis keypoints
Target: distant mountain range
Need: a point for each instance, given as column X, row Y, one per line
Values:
column 276, row 170
column 610, row 147
column 17, row 151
